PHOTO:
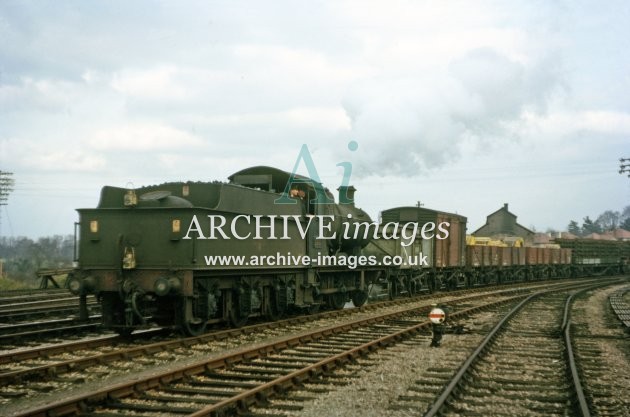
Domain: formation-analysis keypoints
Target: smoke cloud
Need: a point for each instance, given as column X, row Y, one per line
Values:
column 408, row 125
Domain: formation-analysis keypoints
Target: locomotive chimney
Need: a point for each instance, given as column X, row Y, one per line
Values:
column 346, row 194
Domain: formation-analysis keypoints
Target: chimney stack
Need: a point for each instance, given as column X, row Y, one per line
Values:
column 346, row 194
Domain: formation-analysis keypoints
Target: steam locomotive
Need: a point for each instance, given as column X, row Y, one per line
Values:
column 188, row 254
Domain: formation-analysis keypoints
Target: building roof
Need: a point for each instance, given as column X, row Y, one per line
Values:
column 621, row 234
column 600, row 236
column 503, row 211
column 617, row 234
column 566, row 235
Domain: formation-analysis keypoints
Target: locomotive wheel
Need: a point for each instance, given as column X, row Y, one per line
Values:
column 359, row 297
column 338, row 300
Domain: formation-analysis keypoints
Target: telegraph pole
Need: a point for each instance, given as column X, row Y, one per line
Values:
column 624, row 166
column 6, row 186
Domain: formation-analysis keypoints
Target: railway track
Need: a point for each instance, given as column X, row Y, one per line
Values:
column 251, row 374
column 47, row 361
column 604, row 355
column 53, row 360
column 525, row 366
column 27, row 316
column 620, row 307
column 18, row 296
column 411, row 380
column 14, row 336
column 519, row 369
column 28, row 309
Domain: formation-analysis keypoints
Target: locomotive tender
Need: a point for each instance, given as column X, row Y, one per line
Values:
column 144, row 253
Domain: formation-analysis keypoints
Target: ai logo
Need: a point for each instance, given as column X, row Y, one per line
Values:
column 321, row 198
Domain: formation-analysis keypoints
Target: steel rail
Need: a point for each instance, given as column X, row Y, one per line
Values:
column 77, row 404
column 299, row 376
column 9, row 298
column 57, row 368
column 575, row 376
column 42, row 328
column 463, row 370
column 472, row 359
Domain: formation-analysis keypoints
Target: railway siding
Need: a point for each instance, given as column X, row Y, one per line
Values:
column 316, row 361
column 213, row 367
column 603, row 349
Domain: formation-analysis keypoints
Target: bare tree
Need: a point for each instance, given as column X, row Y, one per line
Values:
column 609, row 220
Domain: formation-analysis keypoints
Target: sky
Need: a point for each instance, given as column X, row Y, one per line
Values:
column 460, row 105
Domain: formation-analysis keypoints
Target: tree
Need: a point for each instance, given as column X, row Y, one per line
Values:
column 609, row 220
column 624, row 220
column 589, row 226
column 23, row 256
column 574, row 228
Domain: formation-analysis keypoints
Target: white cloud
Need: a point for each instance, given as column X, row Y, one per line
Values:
column 155, row 83
column 68, row 160
column 145, row 89
column 563, row 123
column 34, row 155
column 143, row 137
column 320, row 118
column 44, row 94
column 293, row 65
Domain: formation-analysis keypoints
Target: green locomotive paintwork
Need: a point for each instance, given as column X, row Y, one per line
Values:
column 144, row 252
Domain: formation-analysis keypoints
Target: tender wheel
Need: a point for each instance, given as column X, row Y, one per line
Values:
column 274, row 310
column 237, row 313
column 195, row 327
column 191, row 325
column 359, row 297
column 237, row 319
column 338, row 300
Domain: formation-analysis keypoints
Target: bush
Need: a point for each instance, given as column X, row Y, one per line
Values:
column 7, row 284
